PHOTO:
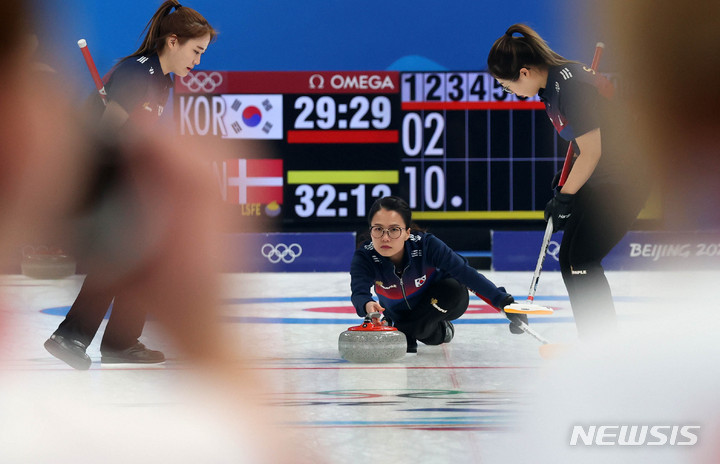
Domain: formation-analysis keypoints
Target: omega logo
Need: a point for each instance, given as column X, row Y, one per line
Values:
column 359, row 82
column 319, row 79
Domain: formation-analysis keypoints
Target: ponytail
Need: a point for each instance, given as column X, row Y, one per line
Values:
column 509, row 54
column 183, row 22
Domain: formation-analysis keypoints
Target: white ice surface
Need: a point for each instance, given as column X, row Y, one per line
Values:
column 486, row 397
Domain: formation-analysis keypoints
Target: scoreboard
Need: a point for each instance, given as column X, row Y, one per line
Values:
column 311, row 147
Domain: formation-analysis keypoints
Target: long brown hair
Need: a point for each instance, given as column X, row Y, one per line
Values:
column 510, row 53
column 183, row 22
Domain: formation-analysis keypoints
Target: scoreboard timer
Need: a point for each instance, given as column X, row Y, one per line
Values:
column 327, row 144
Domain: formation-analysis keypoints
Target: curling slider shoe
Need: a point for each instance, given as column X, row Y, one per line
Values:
column 527, row 307
column 372, row 342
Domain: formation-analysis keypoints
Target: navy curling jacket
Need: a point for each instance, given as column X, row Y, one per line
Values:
column 139, row 86
column 427, row 259
column 579, row 100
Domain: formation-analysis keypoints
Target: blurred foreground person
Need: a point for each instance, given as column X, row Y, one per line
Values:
column 137, row 91
column 679, row 124
column 158, row 226
column 152, row 231
column 667, row 54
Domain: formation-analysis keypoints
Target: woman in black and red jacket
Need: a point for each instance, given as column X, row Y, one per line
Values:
column 137, row 89
column 608, row 183
column 421, row 283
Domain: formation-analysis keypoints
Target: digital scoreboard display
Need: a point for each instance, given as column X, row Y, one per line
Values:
column 322, row 146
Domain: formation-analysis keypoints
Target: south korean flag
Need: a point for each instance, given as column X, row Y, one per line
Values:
column 253, row 117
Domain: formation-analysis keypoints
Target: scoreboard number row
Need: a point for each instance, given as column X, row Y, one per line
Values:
column 333, row 201
column 454, row 87
column 327, row 113
column 328, row 196
column 414, row 128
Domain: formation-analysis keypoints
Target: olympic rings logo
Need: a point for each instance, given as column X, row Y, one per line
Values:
column 195, row 82
column 281, row 252
column 554, row 249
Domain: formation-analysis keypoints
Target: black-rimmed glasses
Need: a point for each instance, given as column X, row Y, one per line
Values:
column 393, row 232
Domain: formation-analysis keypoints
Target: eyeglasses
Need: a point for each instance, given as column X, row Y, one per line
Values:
column 393, row 232
column 505, row 88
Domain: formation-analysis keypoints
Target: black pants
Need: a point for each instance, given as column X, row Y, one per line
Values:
column 601, row 216
column 87, row 312
column 445, row 300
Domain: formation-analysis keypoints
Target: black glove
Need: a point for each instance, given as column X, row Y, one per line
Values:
column 514, row 318
column 560, row 209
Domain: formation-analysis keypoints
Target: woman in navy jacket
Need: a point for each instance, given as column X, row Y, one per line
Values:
column 421, row 284
column 137, row 90
column 608, row 184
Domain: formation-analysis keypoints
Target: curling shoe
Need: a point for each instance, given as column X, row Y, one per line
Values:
column 72, row 352
column 136, row 354
column 411, row 345
column 449, row 331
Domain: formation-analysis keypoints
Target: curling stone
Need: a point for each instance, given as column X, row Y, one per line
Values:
column 372, row 342
column 47, row 263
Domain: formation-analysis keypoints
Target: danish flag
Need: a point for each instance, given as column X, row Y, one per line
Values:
column 251, row 181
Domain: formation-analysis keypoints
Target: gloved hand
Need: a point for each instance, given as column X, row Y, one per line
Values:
column 514, row 318
column 560, row 209
column 374, row 318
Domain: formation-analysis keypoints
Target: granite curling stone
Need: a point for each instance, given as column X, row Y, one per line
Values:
column 46, row 263
column 372, row 342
